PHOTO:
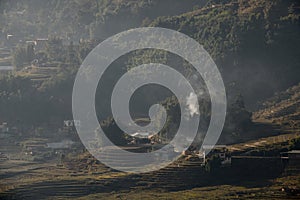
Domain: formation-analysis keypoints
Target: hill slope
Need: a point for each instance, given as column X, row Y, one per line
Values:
column 283, row 109
column 254, row 43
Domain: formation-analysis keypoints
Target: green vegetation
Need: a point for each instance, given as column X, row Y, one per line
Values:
column 254, row 43
column 213, row 163
column 295, row 144
column 83, row 19
column 23, row 55
column 238, row 35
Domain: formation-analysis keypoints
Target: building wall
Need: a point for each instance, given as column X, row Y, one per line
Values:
column 248, row 165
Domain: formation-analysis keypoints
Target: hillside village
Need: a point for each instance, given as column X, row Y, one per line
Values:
column 254, row 43
column 229, row 161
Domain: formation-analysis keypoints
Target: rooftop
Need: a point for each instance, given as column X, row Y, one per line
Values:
column 294, row 152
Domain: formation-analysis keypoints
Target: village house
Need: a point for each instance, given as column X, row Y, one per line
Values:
column 34, row 148
column 40, row 43
column 294, row 157
column 220, row 151
column 4, row 128
column 12, row 40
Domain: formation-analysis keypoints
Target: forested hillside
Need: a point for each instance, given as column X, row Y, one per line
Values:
column 47, row 151
column 73, row 20
column 255, row 44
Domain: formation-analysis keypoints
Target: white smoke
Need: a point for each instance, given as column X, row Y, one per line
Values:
column 191, row 102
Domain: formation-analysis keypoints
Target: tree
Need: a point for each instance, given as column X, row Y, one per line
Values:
column 113, row 132
column 213, row 163
column 19, row 56
column 295, row 144
column 30, row 52
column 23, row 55
column 72, row 55
column 54, row 49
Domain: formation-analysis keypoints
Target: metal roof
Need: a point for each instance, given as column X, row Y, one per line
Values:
column 294, row 152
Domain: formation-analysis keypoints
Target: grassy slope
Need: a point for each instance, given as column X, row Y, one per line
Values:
column 282, row 109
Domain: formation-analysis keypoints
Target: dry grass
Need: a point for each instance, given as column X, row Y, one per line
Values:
column 215, row 192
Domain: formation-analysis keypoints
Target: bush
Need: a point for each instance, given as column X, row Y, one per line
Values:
column 295, row 144
column 213, row 164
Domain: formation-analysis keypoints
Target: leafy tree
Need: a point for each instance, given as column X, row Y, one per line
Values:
column 113, row 132
column 213, row 163
column 30, row 52
column 19, row 56
column 72, row 55
column 55, row 49
column 295, row 144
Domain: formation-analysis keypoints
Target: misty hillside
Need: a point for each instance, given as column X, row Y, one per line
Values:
column 73, row 20
column 255, row 45
column 52, row 143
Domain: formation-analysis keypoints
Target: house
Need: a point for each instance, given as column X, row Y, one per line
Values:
column 294, row 157
column 9, row 36
column 140, row 138
column 3, row 157
column 31, row 42
column 70, row 125
column 220, row 151
column 34, row 146
column 65, row 144
column 12, row 39
column 40, row 43
column 4, row 127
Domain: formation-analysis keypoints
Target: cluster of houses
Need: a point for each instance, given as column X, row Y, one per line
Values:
column 139, row 139
column 292, row 157
column 220, row 151
column 7, row 131
column 4, row 128
column 35, row 148
column 13, row 39
column 192, row 153
column 38, row 43
column 40, row 147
